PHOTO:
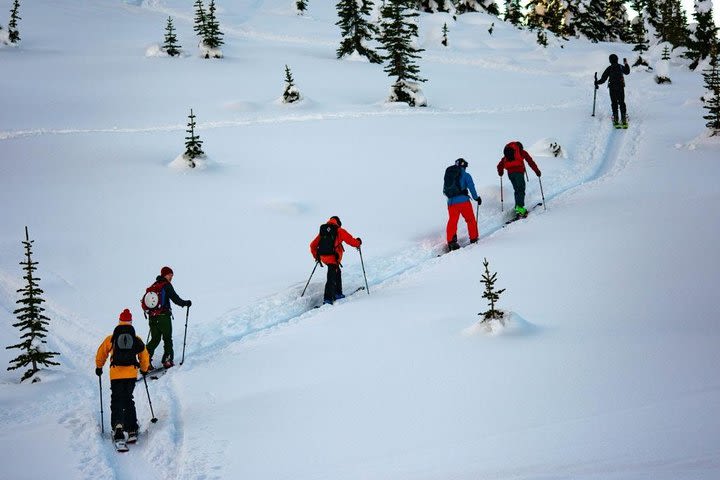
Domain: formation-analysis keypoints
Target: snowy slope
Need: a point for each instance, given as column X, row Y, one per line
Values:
column 608, row 369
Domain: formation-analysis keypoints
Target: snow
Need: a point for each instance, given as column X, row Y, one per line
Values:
column 606, row 367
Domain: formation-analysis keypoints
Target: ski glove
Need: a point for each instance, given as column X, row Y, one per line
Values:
column 143, row 373
column 188, row 303
column 479, row 200
column 359, row 241
column 98, row 372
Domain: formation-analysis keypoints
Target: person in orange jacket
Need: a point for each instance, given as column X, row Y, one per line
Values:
column 513, row 160
column 127, row 353
column 327, row 248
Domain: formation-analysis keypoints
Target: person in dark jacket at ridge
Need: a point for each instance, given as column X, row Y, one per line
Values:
column 615, row 73
column 161, row 319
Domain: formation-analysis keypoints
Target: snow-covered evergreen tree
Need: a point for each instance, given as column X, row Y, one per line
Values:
column 444, row 35
column 663, row 67
column 301, row 6
column 356, row 30
column 171, row 46
column 546, row 15
column 200, row 19
column 589, row 19
column 490, row 294
column 432, row 6
column 711, row 101
column 13, row 32
column 212, row 41
column 514, row 12
column 291, row 93
column 704, row 38
column 465, row 6
column 670, row 22
column 617, row 21
column 193, row 144
column 639, row 33
column 31, row 320
column 397, row 34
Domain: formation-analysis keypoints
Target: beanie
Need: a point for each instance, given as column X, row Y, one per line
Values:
column 126, row 316
column 613, row 58
column 165, row 271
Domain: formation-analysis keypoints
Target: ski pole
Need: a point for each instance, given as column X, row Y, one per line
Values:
column 311, row 275
column 542, row 193
column 502, row 207
column 187, row 314
column 363, row 267
column 594, row 94
column 477, row 213
column 102, row 414
column 153, row 419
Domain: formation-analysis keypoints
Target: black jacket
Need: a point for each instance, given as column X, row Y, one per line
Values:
column 615, row 72
column 170, row 294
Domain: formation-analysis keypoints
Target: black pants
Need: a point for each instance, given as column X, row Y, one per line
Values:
column 122, row 405
column 333, row 285
column 518, row 183
column 617, row 99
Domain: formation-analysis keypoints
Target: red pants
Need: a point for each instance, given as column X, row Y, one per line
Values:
column 465, row 209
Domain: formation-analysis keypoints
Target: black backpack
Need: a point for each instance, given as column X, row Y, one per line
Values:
column 328, row 236
column 451, row 186
column 125, row 346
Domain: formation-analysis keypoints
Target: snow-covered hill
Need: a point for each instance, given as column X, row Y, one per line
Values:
column 607, row 370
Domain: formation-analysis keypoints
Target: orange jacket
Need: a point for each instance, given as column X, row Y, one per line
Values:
column 342, row 236
column 118, row 372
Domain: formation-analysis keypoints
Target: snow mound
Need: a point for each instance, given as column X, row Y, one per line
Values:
column 547, row 147
column 208, row 52
column 511, row 324
column 184, row 163
column 155, row 51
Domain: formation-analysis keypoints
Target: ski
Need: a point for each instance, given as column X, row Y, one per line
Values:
column 515, row 219
column 120, row 445
column 339, row 299
column 153, row 374
column 132, row 437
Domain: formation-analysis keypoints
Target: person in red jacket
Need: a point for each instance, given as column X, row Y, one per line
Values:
column 513, row 161
column 327, row 248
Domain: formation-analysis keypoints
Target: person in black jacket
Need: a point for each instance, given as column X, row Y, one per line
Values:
column 161, row 318
column 615, row 73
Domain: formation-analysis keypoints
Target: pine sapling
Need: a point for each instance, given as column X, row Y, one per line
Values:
column 444, row 35
column 291, row 93
column 171, row 46
column 193, row 144
column 212, row 40
column 711, row 101
column 492, row 27
column 301, row 6
column 13, row 32
column 31, row 321
column 663, row 74
column 200, row 26
column 490, row 294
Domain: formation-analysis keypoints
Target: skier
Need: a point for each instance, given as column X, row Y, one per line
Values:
column 127, row 351
column 513, row 161
column 327, row 248
column 161, row 317
column 615, row 73
column 456, row 186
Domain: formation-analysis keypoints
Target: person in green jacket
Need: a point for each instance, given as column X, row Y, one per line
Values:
column 161, row 318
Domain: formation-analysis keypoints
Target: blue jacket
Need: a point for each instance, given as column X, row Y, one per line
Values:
column 466, row 181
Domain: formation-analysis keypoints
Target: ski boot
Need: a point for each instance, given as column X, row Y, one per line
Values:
column 119, row 439
column 624, row 123
column 616, row 124
column 453, row 244
column 521, row 212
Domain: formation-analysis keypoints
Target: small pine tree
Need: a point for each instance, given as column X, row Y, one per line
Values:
column 171, row 46
column 514, row 12
column 444, row 35
column 356, row 30
column 666, row 53
column 200, row 26
column 301, row 6
column 291, row 93
column 663, row 67
column 490, row 294
column 711, row 101
column 397, row 34
column 213, row 35
column 193, row 144
column 492, row 27
column 31, row 320
column 13, row 32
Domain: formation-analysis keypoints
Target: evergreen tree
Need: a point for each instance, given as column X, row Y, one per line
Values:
column 356, row 30
column 616, row 19
column 291, row 93
column 490, row 294
column 639, row 33
column 492, row 27
column 398, row 30
column 301, row 6
column 704, row 38
column 589, row 19
column 13, row 32
column 465, row 6
column 444, row 35
column 711, row 101
column 213, row 35
column 514, row 12
column 665, row 53
column 171, row 46
column 432, row 6
column 193, row 144
column 31, row 320
column 663, row 67
column 672, row 25
column 200, row 26
column 546, row 15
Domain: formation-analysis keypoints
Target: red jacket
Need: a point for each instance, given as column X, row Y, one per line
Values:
column 342, row 236
column 517, row 164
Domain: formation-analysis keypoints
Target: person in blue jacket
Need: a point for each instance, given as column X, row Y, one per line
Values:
column 458, row 188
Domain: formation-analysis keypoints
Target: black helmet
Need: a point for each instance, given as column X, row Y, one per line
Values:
column 613, row 58
column 337, row 219
column 461, row 162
